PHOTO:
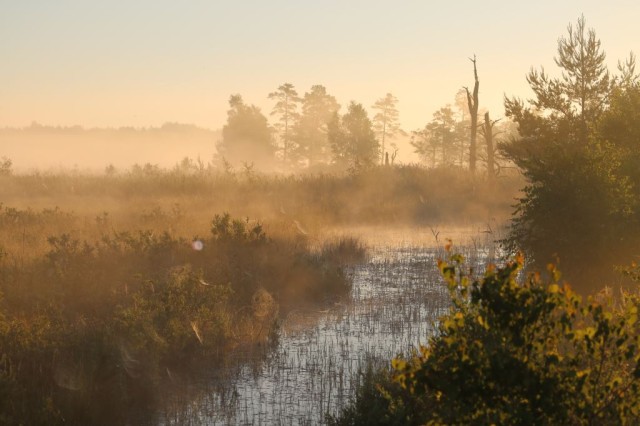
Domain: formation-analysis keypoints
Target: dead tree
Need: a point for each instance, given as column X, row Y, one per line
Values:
column 487, row 132
column 395, row 153
column 472, row 100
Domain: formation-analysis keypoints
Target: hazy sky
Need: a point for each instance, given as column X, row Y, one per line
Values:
column 141, row 63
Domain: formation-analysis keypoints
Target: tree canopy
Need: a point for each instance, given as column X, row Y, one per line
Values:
column 246, row 138
column 312, row 143
column 286, row 107
column 385, row 121
column 581, row 198
column 353, row 141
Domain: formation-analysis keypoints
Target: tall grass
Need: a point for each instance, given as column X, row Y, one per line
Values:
column 399, row 194
column 90, row 330
column 109, row 284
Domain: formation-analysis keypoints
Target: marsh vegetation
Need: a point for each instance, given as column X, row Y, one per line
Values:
column 107, row 315
column 304, row 274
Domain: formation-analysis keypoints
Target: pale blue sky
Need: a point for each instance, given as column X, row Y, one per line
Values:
column 143, row 63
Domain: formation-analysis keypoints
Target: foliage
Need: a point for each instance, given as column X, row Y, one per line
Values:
column 352, row 139
column 183, row 201
column 223, row 228
column 385, row 121
column 436, row 143
column 91, row 332
column 246, row 138
column 374, row 401
column 312, row 143
column 510, row 352
column 581, row 191
column 445, row 140
column 286, row 107
column 619, row 125
column 581, row 93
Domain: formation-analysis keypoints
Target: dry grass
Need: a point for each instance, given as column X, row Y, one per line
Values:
column 108, row 283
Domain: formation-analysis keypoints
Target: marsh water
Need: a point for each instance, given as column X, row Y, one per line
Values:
column 316, row 363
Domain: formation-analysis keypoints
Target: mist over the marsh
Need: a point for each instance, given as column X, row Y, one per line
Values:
column 51, row 148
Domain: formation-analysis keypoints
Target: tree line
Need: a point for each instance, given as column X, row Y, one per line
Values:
column 520, row 348
column 310, row 132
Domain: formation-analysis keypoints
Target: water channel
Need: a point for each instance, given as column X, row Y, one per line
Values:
column 396, row 299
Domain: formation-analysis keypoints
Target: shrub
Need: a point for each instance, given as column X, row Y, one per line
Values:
column 90, row 331
column 520, row 353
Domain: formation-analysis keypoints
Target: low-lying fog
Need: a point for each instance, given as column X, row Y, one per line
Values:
column 51, row 148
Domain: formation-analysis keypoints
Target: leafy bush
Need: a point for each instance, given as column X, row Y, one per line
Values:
column 223, row 228
column 90, row 331
column 518, row 353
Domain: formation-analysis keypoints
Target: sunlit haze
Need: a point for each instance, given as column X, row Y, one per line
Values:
column 319, row 212
column 143, row 63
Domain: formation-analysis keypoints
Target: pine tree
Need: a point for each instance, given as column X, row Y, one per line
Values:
column 310, row 133
column 286, row 107
column 246, row 137
column 352, row 139
column 385, row 121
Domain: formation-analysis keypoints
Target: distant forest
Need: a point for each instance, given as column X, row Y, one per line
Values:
column 94, row 149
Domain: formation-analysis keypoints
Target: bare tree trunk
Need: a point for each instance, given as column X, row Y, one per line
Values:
column 384, row 135
column 444, row 146
column 286, row 139
column 488, row 137
column 472, row 100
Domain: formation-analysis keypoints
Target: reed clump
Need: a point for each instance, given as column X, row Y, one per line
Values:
column 91, row 329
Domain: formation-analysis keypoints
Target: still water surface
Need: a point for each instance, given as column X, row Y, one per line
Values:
column 395, row 301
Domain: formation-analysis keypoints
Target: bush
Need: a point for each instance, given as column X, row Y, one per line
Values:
column 520, row 353
column 90, row 331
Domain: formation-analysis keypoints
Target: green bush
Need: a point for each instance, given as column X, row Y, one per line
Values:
column 510, row 352
column 578, row 150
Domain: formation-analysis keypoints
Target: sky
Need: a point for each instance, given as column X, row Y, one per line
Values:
column 142, row 63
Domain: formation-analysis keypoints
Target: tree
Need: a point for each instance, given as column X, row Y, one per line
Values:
column 488, row 133
column 472, row 102
column 580, row 95
column 246, row 137
column 445, row 125
column 310, row 132
column 578, row 202
column 385, row 121
column 422, row 141
column 286, row 107
column 462, row 104
column 619, row 127
column 620, row 123
column 438, row 135
column 353, row 141
column 463, row 125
